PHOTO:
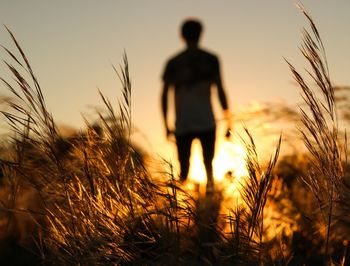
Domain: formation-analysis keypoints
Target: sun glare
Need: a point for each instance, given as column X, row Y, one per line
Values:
column 197, row 172
column 229, row 162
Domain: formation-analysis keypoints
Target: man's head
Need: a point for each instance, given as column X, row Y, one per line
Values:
column 191, row 31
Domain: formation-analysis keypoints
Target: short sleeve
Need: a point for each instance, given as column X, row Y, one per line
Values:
column 216, row 66
column 167, row 74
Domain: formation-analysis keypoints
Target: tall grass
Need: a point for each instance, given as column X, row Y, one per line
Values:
column 100, row 204
column 89, row 199
column 247, row 219
column 320, row 129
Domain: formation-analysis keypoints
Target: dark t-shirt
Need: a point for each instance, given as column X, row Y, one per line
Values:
column 191, row 73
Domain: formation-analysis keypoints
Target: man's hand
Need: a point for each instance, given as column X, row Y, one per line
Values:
column 229, row 132
column 228, row 118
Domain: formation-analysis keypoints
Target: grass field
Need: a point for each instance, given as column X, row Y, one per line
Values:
column 90, row 199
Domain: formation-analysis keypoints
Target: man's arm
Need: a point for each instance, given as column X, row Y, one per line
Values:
column 223, row 103
column 165, row 91
column 222, row 94
column 217, row 81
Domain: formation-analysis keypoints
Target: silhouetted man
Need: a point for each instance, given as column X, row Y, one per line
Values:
column 191, row 74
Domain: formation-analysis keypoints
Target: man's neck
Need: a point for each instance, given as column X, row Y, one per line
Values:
column 192, row 46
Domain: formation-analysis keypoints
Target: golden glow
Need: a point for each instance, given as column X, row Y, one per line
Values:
column 197, row 172
column 229, row 157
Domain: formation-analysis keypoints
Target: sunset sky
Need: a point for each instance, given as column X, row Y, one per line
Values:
column 72, row 45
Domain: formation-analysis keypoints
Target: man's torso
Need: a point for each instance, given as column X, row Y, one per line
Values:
column 192, row 72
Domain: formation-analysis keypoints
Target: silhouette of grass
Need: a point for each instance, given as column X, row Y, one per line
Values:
column 89, row 199
column 320, row 129
column 100, row 204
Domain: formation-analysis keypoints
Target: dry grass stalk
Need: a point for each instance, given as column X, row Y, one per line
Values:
column 320, row 127
column 101, row 207
column 254, row 193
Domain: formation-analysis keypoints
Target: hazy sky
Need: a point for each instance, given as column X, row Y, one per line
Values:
column 72, row 44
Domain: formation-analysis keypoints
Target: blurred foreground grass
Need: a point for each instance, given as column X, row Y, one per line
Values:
column 89, row 199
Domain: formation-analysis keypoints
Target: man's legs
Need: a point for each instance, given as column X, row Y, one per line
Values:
column 184, row 143
column 207, row 140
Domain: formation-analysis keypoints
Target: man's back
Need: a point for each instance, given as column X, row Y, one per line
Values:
column 191, row 66
column 191, row 73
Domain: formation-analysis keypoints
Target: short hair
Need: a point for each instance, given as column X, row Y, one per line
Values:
column 191, row 30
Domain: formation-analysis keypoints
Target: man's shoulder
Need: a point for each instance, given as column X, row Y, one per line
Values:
column 185, row 54
column 177, row 57
column 208, row 53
